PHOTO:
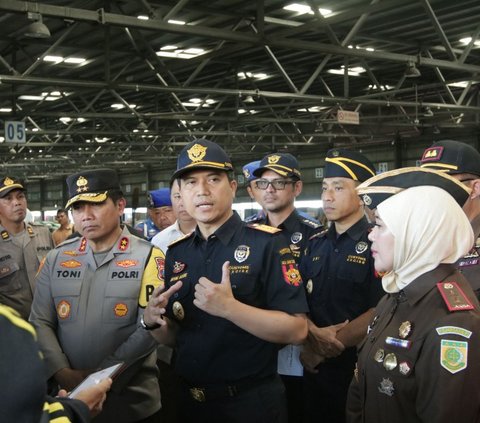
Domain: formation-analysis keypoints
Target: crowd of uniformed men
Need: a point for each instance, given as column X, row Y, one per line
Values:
column 220, row 320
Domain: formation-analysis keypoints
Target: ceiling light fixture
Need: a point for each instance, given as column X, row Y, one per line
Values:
column 412, row 71
column 36, row 29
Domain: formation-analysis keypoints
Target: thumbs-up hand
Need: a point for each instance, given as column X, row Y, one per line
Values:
column 215, row 298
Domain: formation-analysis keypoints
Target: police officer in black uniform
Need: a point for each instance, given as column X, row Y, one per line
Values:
column 462, row 161
column 239, row 296
column 341, row 287
column 279, row 182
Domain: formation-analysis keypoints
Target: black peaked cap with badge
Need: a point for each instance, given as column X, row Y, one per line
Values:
column 380, row 187
column 8, row 184
column 284, row 164
column 452, row 157
column 91, row 186
column 202, row 154
column 341, row 163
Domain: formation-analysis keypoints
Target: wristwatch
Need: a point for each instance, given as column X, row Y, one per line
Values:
column 148, row 327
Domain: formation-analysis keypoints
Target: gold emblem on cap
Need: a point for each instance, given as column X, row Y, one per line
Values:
column 246, row 172
column 197, row 153
column 367, row 200
column 8, row 181
column 178, row 310
column 82, row 184
column 405, row 329
column 273, row 159
column 390, row 361
column 335, row 153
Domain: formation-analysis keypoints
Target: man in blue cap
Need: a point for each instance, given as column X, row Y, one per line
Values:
column 342, row 288
column 253, row 191
column 462, row 162
column 160, row 213
column 238, row 296
column 279, row 184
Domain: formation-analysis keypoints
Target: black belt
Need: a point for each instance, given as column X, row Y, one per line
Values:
column 211, row 392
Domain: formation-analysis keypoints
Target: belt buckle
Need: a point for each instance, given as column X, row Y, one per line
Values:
column 198, row 394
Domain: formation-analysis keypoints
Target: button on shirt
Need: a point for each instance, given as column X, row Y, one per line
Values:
column 263, row 274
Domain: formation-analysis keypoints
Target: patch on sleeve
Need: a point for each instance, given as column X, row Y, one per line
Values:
column 454, row 330
column 152, row 276
column 453, row 355
column 291, row 275
column 454, row 297
column 264, row 228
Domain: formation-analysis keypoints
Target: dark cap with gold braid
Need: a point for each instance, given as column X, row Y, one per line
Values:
column 284, row 164
column 8, row 184
column 380, row 187
column 91, row 186
column 452, row 157
column 202, row 154
column 341, row 163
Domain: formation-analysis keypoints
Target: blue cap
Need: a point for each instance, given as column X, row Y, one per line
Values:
column 202, row 154
column 349, row 164
column 159, row 198
column 282, row 163
column 248, row 170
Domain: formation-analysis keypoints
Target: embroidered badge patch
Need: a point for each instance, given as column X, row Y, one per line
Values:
column 296, row 237
column 291, row 275
column 63, row 309
column 453, row 355
column 178, row 267
column 160, row 262
column 127, row 263
column 120, row 309
column 454, row 330
column 241, row 253
column 70, row 264
column 361, row 247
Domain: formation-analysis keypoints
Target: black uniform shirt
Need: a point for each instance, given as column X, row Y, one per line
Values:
column 339, row 275
column 297, row 229
column 419, row 363
column 263, row 274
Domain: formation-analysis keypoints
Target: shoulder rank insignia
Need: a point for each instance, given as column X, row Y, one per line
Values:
column 30, row 231
column 264, row 228
column 320, row 234
column 454, row 297
column 5, row 235
column 182, row 238
column 310, row 223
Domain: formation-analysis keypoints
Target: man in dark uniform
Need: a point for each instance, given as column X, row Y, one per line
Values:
column 22, row 248
column 279, row 182
column 342, row 288
column 253, row 191
column 90, row 296
column 240, row 297
column 462, row 161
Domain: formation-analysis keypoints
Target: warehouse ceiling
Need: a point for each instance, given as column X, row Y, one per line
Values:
column 126, row 84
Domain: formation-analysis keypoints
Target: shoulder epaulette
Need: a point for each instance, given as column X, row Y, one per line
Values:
column 310, row 223
column 182, row 238
column 68, row 241
column 5, row 235
column 320, row 234
column 454, row 297
column 264, row 228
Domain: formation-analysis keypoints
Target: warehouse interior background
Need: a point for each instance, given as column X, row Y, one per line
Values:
column 125, row 84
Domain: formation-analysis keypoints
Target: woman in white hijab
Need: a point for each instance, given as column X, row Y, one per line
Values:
column 420, row 361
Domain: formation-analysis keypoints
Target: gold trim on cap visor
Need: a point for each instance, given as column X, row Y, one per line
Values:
column 210, row 164
column 339, row 161
column 89, row 197
column 11, row 187
column 439, row 166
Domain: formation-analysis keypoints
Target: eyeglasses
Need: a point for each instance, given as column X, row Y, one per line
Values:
column 278, row 184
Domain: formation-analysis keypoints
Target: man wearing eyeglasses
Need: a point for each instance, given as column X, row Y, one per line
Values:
column 462, row 161
column 279, row 183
